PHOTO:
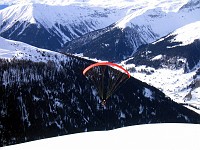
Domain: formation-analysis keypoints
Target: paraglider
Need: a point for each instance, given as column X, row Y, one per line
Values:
column 106, row 77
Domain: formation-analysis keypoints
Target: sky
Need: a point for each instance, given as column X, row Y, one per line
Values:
column 165, row 136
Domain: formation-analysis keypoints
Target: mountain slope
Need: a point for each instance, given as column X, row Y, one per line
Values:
column 49, row 26
column 140, row 26
column 40, row 100
column 10, row 49
column 172, row 64
column 183, row 43
column 111, row 43
column 106, row 44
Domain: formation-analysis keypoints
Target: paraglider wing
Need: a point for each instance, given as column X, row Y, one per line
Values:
column 105, row 78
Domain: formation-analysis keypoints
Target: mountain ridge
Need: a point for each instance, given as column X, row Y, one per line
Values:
column 59, row 23
column 139, row 27
column 87, row 18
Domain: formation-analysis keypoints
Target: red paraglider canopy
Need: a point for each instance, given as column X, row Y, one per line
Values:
column 107, row 78
column 106, row 64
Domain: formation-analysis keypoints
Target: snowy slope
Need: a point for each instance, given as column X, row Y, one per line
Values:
column 186, row 34
column 13, row 49
column 140, row 137
column 160, row 18
column 63, row 22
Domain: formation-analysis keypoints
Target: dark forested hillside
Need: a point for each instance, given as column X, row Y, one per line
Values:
column 39, row 100
column 111, row 43
column 171, row 54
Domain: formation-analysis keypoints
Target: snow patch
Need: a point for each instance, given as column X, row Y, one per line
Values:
column 187, row 34
column 141, row 109
column 122, row 115
column 148, row 93
column 157, row 57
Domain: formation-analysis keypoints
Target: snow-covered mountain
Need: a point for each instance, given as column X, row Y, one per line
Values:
column 48, row 26
column 172, row 64
column 45, row 94
column 140, row 26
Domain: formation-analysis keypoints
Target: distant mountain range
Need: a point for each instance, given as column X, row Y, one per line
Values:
column 52, row 26
column 143, row 26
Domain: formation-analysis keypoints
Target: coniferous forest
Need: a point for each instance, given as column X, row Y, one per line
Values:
column 39, row 100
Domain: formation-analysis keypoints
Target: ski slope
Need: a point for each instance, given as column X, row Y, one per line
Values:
column 139, row 137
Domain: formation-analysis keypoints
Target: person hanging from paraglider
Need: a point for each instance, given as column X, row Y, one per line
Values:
column 103, row 102
column 105, row 78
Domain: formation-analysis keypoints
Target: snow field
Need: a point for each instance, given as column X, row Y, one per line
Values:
column 141, row 137
column 174, row 83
